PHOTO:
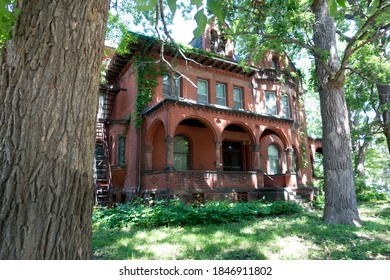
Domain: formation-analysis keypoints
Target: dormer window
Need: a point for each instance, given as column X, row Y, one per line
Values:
column 274, row 63
column 213, row 40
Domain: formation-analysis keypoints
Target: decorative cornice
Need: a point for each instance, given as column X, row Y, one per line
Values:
column 169, row 102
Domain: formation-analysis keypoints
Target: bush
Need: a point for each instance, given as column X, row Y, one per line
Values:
column 176, row 212
column 366, row 193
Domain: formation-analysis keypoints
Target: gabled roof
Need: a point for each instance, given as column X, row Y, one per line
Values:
column 147, row 45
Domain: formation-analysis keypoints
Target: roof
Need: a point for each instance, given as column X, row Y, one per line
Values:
column 148, row 45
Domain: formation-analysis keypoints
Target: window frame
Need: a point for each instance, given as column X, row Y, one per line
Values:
column 267, row 110
column 181, row 153
column 273, row 161
column 206, row 94
column 218, row 99
column 172, row 87
column 287, row 114
column 121, row 150
column 240, row 102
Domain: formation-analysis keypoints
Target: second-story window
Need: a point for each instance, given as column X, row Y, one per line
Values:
column 221, row 94
column 270, row 103
column 171, row 85
column 285, row 106
column 295, row 116
column 237, row 95
column 203, row 91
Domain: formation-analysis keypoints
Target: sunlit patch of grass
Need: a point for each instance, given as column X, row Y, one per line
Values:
column 295, row 236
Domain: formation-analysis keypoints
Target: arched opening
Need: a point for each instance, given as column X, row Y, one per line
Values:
column 200, row 140
column 236, row 148
column 318, row 169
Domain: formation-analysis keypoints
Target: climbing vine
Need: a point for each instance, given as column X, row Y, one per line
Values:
column 302, row 134
column 148, row 71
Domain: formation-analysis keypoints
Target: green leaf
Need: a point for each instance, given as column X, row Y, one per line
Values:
column 172, row 6
column 215, row 7
column 341, row 3
column 201, row 21
column 332, row 7
column 146, row 5
column 197, row 3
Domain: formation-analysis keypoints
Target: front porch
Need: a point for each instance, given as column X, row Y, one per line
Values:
column 215, row 185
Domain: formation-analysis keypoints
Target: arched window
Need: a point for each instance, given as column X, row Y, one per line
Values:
column 181, row 153
column 274, row 63
column 273, row 160
column 213, row 40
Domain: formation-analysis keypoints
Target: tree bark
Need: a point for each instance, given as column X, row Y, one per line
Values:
column 48, row 90
column 339, row 186
column 384, row 100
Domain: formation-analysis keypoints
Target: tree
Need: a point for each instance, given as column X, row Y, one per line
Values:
column 48, row 90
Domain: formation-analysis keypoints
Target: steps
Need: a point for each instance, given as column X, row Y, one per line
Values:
column 293, row 197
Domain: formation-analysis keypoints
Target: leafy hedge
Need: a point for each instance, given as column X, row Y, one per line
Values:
column 175, row 212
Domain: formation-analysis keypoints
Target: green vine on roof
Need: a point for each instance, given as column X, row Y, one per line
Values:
column 148, row 71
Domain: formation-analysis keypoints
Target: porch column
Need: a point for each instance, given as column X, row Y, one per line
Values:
column 148, row 157
column 256, row 158
column 218, row 163
column 289, row 152
column 169, row 141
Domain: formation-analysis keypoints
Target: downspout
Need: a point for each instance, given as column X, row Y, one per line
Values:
column 139, row 155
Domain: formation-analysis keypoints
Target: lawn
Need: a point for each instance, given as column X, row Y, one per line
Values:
column 301, row 236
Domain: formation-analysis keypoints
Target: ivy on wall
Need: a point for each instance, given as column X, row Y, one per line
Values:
column 148, row 72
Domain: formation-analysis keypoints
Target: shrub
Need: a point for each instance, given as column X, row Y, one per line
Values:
column 176, row 212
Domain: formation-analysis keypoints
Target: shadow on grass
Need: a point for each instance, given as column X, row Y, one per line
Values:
column 297, row 236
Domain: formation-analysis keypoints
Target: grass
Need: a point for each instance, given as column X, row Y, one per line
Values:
column 301, row 236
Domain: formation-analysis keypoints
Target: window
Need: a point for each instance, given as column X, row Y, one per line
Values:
column 181, row 153
column 213, row 40
column 274, row 63
column 121, row 150
column 203, row 91
column 221, row 94
column 273, row 160
column 295, row 116
column 270, row 103
column 171, row 85
column 285, row 106
column 232, row 156
column 237, row 95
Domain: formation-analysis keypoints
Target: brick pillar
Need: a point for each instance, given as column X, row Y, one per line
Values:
column 218, row 163
column 169, row 141
column 256, row 158
column 289, row 152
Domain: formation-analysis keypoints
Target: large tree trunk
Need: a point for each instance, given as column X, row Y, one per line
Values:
column 48, row 90
column 340, row 195
column 384, row 100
